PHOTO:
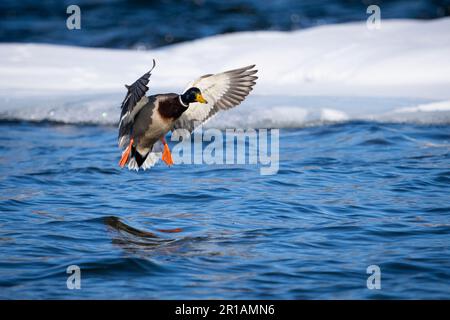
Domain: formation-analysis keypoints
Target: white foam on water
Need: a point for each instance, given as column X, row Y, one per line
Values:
column 329, row 73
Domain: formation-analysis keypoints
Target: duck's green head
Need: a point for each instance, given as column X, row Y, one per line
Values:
column 192, row 95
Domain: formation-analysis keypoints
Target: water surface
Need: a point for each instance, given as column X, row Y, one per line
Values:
column 346, row 196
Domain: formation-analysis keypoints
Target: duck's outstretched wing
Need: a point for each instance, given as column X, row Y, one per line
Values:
column 132, row 104
column 222, row 91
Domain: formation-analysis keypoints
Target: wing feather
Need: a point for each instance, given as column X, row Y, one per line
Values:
column 131, row 105
column 222, row 91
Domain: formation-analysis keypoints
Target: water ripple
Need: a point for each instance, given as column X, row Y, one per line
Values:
column 346, row 196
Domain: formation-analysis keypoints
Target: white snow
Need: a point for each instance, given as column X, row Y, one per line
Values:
column 328, row 73
column 430, row 107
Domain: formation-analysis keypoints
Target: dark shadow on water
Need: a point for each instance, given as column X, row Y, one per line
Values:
column 115, row 223
column 128, row 235
column 162, row 242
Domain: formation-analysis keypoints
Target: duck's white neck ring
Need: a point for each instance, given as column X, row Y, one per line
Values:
column 182, row 103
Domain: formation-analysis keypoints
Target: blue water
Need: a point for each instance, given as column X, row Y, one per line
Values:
column 346, row 196
column 149, row 24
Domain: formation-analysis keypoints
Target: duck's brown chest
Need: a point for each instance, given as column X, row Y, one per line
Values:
column 171, row 108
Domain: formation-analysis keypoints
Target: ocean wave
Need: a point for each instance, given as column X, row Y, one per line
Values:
column 330, row 73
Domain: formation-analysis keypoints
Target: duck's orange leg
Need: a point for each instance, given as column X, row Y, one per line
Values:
column 166, row 156
column 126, row 154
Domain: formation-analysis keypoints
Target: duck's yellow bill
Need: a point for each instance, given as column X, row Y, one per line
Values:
column 200, row 98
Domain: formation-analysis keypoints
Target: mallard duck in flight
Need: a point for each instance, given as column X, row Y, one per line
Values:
column 145, row 120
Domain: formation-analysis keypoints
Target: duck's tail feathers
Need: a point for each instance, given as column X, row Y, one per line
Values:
column 149, row 160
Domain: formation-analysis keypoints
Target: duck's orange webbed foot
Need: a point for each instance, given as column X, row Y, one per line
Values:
column 126, row 154
column 167, row 156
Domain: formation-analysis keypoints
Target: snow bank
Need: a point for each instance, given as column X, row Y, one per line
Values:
column 328, row 73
